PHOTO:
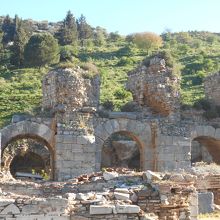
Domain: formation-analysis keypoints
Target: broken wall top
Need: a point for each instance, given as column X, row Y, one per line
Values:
column 154, row 85
column 70, row 89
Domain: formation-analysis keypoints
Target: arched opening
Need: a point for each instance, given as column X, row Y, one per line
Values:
column 121, row 149
column 28, row 157
column 205, row 149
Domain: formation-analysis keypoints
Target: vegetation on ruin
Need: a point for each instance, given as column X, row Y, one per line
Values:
column 194, row 54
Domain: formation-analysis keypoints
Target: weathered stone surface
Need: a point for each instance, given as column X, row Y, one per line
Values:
column 127, row 209
column 30, row 209
column 206, row 202
column 98, row 210
column 151, row 176
column 110, row 175
column 4, row 201
column 10, row 209
column 121, row 196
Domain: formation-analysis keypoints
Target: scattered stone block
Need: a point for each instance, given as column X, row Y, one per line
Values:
column 101, row 210
column 121, row 196
column 110, row 175
column 127, row 209
column 206, row 202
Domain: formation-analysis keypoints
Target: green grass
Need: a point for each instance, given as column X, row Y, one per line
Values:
column 20, row 89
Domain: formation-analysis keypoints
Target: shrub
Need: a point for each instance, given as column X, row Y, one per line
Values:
column 91, row 69
column 125, row 61
column 65, row 65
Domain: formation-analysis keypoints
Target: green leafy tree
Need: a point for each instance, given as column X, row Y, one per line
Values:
column 68, row 32
column 100, row 36
column 147, row 41
column 41, row 49
column 84, row 30
column 20, row 39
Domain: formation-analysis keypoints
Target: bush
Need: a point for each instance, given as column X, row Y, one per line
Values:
column 91, row 69
column 65, row 65
column 67, row 53
column 125, row 61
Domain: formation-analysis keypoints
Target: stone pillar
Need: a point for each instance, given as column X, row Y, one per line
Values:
column 193, row 205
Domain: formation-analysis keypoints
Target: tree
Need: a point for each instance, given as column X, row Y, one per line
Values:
column 68, row 32
column 9, row 29
column 20, row 39
column 100, row 36
column 147, row 41
column 41, row 49
column 84, row 29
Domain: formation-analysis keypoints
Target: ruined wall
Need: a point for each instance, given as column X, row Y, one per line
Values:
column 212, row 88
column 73, row 97
column 153, row 85
column 136, row 196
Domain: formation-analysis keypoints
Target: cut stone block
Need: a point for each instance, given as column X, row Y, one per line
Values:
column 127, row 209
column 101, row 210
column 206, row 202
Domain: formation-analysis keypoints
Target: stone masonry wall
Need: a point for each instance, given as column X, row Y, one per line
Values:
column 153, row 85
column 212, row 88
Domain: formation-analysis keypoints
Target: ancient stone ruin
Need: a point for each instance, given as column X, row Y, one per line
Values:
column 77, row 143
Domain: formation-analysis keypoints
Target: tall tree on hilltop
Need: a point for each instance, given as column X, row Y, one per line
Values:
column 20, row 39
column 8, row 29
column 68, row 32
column 84, row 29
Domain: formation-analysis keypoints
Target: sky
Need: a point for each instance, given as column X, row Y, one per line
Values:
column 124, row 16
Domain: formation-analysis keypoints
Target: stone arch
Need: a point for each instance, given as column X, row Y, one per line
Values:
column 138, row 131
column 209, row 137
column 27, row 129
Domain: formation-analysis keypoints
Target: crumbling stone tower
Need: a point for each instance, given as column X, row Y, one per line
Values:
column 154, row 87
column 73, row 96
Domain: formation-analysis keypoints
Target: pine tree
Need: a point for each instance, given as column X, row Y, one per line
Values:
column 84, row 29
column 41, row 49
column 20, row 39
column 68, row 32
column 8, row 29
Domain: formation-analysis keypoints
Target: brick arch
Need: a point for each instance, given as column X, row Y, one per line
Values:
column 138, row 131
column 27, row 129
column 210, row 138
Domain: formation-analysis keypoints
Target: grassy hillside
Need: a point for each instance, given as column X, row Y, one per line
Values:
column 198, row 53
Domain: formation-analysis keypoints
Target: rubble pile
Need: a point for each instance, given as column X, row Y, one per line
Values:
column 112, row 194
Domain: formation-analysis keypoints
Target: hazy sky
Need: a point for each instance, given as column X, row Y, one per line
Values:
column 124, row 16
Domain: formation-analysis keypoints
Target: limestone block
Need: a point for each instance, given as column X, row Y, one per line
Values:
column 151, row 176
column 217, row 133
column 100, row 210
column 200, row 131
column 108, row 127
column 30, row 209
column 10, row 209
column 121, row 196
column 110, row 175
column 206, row 202
column 209, row 131
column 4, row 202
column 127, row 209
column 76, row 217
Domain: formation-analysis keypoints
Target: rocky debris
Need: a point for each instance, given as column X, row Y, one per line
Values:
column 123, row 193
column 110, row 175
